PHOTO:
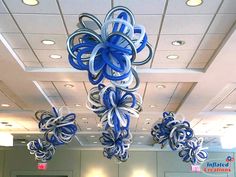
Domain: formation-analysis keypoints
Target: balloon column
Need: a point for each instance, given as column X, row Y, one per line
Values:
column 109, row 53
column 180, row 137
column 59, row 129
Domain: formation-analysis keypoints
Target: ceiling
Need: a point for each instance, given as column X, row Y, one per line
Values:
column 200, row 85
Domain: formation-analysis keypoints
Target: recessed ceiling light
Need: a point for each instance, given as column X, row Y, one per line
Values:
column 23, row 142
column 27, row 136
column 139, row 143
column 77, row 105
column 160, row 86
column 84, row 118
column 172, row 57
column 228, row 107
column 31, row 2
column 5, row 105
column 48, row 42
column 178, row 43
column 141, row 136
column 55, row 56
column 68, row 85
column 99, row 125
column 193, row 3
column 4, row 123
column 144, row 129
column 89, row 128
column 92, row 136
column 152, row 106
column 95, row 142
column 147, row 119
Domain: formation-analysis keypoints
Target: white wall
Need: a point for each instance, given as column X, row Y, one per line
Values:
column 93, row 164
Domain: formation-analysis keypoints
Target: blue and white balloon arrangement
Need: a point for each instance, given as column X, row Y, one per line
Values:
column 58, row 128
column 110, row 54
column 180, row 137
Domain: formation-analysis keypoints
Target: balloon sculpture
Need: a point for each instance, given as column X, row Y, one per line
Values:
column 180, row 137
column 110, row 53
column 59, row 129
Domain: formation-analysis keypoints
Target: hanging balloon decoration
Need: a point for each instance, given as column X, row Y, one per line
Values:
column 59, row 128
column 180, row 137
column 109, row 53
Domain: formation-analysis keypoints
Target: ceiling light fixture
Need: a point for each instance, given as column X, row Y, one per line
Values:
column 55, row 56
column 147, row 119
column 23, row 142
column 95, row 142
column 5, row 105
column 48, row 42
column 77, row 105
column 194, row 3
column 30, row 2
column 172, row 57
column 6, row 139
column 144, row 129
column 160, row 86
column 84, row 118
column 152, row 106
column 141, row 136
column 4, row 123
column 92, row 136
column 139, row 143
column 89, row 128
column 178, row 43
column 68, row 85
column 228, row 107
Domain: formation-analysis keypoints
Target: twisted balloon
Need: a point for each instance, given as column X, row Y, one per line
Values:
column 59, row 129
column 179, row 136
column 114, row 106
column 111, row 53
column 116, row 145
column 42, row 149
column 193, row 151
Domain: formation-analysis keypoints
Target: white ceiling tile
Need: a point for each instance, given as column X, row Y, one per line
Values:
column 72, row 22
column 180, row 7
column 158, row 97
column 32, row 64
column 5, row 100
column 143, row 6
column 191, row 42
column 7, row 24
column 41, row 24
column 186, row 24
column 56, row 101
column 85, row 6
column 228, row 7
column 44, row 55
column 201, row 58
column 16, row 40
column 35, row 41
column 177, row 98
column 72, row 96
column 26, row 55
column 211, row 41
column 160, row 59
column 151, row 28
column 222, row 23
column 44, row 7
column 2, row 8
column 229, row 100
